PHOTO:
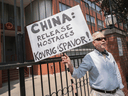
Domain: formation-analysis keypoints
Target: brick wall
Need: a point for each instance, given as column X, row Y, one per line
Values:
column 111, row 42
column 112, row 47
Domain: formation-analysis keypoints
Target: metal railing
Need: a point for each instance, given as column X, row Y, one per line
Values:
column 57, row 82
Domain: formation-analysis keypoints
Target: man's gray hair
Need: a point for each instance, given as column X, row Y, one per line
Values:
column 95, row 34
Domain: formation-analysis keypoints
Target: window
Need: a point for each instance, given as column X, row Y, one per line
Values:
column 98, row 8
column 9, row 14
column 87, row 17
column 93, row 5
column 86, row 1
column 63, row 7
column 100, row 23
column 125, row 25
column 89, row 3
column 120, row 24
column 77, row 1
column 92, row 19
column 39, row 12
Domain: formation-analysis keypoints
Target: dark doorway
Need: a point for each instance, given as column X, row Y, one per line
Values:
column 10, row 48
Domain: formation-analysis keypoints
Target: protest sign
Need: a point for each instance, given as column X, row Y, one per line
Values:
column 58, row 33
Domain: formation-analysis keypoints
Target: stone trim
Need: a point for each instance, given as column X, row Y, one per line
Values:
column 113, row 31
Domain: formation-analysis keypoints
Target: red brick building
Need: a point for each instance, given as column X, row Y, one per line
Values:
column 37, row 10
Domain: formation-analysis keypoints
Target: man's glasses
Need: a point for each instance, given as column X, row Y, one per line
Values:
column 100, row 38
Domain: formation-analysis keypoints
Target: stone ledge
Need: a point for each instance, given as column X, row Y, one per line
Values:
column 113, row 30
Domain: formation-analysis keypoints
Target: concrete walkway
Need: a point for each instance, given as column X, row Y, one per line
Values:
column 15, row 87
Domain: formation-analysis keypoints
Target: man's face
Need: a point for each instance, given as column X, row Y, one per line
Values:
column 100, row 42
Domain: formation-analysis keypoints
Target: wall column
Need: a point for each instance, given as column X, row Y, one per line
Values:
column 0, row 58
column 0, row 78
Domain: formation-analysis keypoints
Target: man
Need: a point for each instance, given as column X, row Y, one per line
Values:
column 104, row 75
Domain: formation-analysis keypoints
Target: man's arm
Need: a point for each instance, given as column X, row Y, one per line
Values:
column 85, row 66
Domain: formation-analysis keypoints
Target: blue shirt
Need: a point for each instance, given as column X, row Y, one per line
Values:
column 103, row 72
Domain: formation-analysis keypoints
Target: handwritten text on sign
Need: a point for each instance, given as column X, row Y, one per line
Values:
column 58, row 33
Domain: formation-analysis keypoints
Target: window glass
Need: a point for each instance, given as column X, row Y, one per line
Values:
column 98, row 8
column 9, row 14
column 100, row 23
column 86, row 1
column 93, row 5
column 87, row 18
column 63, row 7
column 125, row 25
column 39, row 12
column 89, row 3
column 92, row 20
column 77, row 1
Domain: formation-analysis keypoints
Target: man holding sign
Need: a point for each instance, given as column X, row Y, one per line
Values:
column 104, row 75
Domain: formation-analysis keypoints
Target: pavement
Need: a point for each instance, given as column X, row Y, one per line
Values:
column 15, row 87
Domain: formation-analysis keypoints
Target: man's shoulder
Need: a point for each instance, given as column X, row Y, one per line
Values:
column 92, row 52
column 89, row 54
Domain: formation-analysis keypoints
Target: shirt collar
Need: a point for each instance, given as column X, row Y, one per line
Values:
column 99, row 53
column 95, row 50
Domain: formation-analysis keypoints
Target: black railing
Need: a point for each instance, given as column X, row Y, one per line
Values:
column 61, row 80
column 54, row 80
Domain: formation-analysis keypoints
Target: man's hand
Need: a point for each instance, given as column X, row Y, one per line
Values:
column 65, row 59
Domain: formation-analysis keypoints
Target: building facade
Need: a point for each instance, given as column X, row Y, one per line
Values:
column 14, row 18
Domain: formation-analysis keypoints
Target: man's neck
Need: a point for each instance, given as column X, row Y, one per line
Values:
column 103, row 52
column 100, row 50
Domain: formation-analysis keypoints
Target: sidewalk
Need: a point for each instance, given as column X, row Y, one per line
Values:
column 15, row 87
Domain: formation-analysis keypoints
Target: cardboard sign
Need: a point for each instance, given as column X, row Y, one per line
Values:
column 58, row 33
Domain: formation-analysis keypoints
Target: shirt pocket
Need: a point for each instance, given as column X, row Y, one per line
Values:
column 113, row 67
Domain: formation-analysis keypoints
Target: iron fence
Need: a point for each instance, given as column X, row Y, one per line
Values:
column 55, row 84
column 15, row 15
